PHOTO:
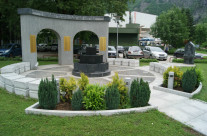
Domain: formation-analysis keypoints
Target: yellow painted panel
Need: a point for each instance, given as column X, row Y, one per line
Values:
column 33, row 47
column 66, row 43
column 102, row 43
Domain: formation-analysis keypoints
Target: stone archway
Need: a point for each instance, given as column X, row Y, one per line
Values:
column 66, row 26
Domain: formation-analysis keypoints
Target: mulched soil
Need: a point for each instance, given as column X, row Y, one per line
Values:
column 63, row 106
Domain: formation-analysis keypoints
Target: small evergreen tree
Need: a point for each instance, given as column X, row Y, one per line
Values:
column 77, row 100
column 47, row 93
column 112, row 97
column 189, row 81
column 139, row 93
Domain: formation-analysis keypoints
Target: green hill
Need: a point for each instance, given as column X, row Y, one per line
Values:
column 156, row 7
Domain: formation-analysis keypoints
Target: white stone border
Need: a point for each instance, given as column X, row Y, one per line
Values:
column 189, row 95
column 33, row 110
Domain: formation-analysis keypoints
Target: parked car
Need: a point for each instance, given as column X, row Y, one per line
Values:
column 179, row 53
column 154, row 52
column 11, row 50
column 120, row 49
column 111, row 52
column 133, row 52
column 41, row 47
column 54, row 47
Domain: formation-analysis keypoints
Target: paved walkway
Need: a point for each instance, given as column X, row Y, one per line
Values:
column 188, row 111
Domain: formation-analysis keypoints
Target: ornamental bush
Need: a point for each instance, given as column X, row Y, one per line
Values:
column 47, row 93
column 189, row 80
column 83, row 82
column 177, row 76
column 67, row 88
column 94, row 97
column 123, row 91
column 199, row 76
column 77, row 100
column 112, row 97
column 139, row 93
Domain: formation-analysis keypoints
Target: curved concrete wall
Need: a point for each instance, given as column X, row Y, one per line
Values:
column 33, row 21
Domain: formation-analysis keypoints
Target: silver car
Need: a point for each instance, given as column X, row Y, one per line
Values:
column 154, row 53
column 133, row 52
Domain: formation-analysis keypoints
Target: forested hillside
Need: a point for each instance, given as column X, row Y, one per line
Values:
column 198, row 7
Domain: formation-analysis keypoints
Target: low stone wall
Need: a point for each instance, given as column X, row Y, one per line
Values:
column 123, row 62
column 18, row 84
column 158, row 67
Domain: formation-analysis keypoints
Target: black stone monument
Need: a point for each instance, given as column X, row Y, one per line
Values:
column 189, row 53
column 91, row 64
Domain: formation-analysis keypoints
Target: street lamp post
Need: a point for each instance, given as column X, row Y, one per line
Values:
column 117, row 18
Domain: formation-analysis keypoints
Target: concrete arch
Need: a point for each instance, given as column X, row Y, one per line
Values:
column 66, row 26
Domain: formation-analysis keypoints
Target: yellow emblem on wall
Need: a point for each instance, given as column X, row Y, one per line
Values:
column 33, row 43
column 102, row 43
column 66, row 43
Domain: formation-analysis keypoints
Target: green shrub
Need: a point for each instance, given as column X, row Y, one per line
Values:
column 172, row 51
column 123, row 91
column 94, row 97
column 112, row 97
column 83, row 82
column 77, row 100
column 139, row 93
column 195, row 60
column 47, row 93
column 177, row 76
column 189, row 80
column 148, row 60
column 199, row 76
column 67, row 88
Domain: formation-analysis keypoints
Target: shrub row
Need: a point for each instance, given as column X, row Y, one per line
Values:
column 94, row 97
column 148, row 60
column 195, row 60
column 188, row 80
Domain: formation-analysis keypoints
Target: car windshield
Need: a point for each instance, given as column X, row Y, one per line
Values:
column 156, row 49
column 7, row 46
column 134, row 48
column 111, row 48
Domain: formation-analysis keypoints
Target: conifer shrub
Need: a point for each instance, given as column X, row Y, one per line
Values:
column 47, row 93
column 177, row 76
column 199, row 76
column 139, row 93
column 189, row 80
column 112, row 97
column 77, row 100
column 123, row 91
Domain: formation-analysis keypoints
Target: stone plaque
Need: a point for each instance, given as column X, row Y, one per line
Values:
column 66, row 43
column 102, row 43
column 33, row 44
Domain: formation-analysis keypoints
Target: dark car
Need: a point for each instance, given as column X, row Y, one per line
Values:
column 179, row 53
column 10, row 50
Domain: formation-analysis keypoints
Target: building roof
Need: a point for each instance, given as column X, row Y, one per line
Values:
column 145, row 20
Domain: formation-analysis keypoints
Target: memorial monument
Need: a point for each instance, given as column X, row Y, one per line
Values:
column 91, row 64
column 189, row 53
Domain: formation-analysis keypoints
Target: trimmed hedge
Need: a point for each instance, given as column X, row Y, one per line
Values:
column 148, row 60
column 195, row 60
column 47, row 93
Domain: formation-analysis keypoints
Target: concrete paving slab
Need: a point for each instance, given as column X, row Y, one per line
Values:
column 199, row 125
column 199, row 104
column 177, row 114
column 159, row 102
column 203, row 117
column 189, row 109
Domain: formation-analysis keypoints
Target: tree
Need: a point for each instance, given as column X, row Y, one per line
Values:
column 171, row 27
column 190, row 22
column 201, row 33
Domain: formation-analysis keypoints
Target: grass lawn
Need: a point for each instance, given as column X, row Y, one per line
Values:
column 203, row 52
column 14, row 121
column 203, row 94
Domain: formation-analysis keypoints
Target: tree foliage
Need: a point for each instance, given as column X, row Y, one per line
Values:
column 201, row 33
column 171, row 27
column 10, row 20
